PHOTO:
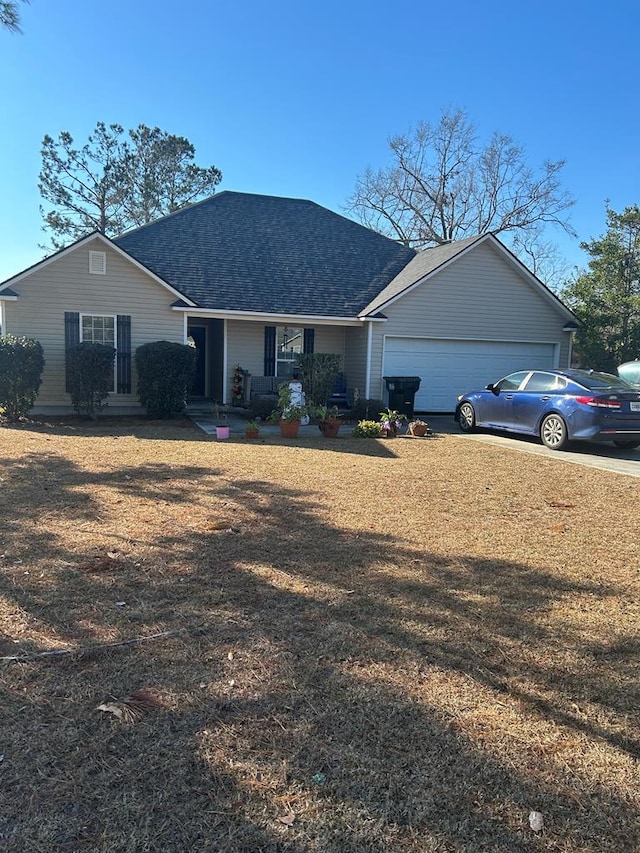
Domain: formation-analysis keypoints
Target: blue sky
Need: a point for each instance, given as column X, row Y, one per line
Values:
column 296, row 99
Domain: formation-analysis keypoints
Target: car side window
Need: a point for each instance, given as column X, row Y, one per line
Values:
column 513, row 381
column 542, row 382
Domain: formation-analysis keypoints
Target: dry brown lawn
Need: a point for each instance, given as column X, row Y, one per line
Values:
column 402, row 645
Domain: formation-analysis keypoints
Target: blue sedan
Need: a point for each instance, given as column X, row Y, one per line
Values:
column 558, row 406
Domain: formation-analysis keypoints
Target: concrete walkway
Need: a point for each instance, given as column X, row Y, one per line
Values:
column 237, row 423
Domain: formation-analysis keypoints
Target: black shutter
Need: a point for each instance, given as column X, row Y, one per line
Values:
column 308, row 340
column 123, row 355
column 71, row 338
column 269, row 350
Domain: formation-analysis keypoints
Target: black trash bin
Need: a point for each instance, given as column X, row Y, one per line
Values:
column 402, row 392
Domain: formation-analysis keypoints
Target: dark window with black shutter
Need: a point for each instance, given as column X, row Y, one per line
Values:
column 99, row 329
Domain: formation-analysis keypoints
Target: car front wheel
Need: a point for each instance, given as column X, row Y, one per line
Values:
column 553, row 432
column 627, row 445
column 466, row 417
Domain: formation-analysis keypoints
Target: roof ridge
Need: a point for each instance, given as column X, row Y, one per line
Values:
column 211, row 199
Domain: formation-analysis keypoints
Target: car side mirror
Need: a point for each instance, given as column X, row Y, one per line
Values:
column 493, row 388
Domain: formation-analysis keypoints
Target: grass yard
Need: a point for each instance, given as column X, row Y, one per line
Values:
column 349, row 646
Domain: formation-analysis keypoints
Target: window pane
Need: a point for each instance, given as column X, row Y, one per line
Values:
column 541, row 382
column 98, row 330
column 512, row 382
column 289, row 343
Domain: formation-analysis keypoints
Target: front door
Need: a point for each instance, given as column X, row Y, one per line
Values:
column 199, row 336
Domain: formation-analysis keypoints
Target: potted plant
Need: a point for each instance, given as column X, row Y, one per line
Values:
column 328, row 421
column 418, row 428
column 286, row 415
column 252, row 429
column 391, row 422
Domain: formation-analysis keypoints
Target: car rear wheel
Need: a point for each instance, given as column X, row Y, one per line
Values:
column 627, row 445
column 466, row 417
column 553, row 432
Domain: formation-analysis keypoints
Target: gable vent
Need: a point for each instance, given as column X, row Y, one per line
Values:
column 98, row 263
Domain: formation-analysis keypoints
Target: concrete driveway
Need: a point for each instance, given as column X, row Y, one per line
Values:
column 606, row 457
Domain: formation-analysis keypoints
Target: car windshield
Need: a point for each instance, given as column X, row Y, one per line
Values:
column 597, row 381
column 630, row 372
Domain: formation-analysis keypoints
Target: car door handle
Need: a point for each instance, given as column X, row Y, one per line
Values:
column 546, row 397
column 508, row 396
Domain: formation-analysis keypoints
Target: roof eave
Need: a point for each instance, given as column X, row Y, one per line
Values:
column 269, row 316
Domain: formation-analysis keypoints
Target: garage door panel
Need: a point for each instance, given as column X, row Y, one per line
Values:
column 450, row 368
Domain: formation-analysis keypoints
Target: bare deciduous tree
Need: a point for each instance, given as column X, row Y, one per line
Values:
column 443, row 185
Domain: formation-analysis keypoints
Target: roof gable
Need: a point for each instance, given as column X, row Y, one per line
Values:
column 430, row 261
column 245, row 252
column 92, row 238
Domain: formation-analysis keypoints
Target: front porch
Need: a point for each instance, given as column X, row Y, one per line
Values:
column 265, row 353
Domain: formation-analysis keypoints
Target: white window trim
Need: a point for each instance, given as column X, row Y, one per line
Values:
column 97, row 263
column 114, row 317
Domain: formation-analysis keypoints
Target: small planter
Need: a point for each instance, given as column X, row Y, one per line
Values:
column 251, row 433
column 222, row 432
column 289, row 429
column 418, row 428
column 329, row 428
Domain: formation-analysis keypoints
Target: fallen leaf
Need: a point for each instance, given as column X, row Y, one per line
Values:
column 111, row 708
column 536, row 821
column 287, row 819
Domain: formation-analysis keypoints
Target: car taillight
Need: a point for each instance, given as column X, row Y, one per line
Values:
column 599, row 402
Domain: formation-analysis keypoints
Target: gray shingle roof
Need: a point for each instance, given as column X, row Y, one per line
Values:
column 245, row 252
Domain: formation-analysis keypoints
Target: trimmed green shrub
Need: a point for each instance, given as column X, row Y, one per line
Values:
column 319, row 372
column 90, row 376
column 366, row 409
column 21, row 366
column 367, row 429
column 165, row 374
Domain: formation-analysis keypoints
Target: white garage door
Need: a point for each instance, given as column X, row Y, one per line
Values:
column 449, row 368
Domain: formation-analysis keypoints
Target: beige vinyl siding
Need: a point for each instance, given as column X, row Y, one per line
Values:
column 245, row 345
column 66, row 285
column 479, row 296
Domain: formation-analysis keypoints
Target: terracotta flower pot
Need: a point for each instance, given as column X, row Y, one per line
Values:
column 289, row 429
column 329, row 428
column 251, row 433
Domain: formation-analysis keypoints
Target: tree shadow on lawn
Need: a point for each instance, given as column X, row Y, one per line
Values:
column 179, row 428
column 317, row 650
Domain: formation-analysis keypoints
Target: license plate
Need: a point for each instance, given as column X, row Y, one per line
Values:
column 635, row 407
